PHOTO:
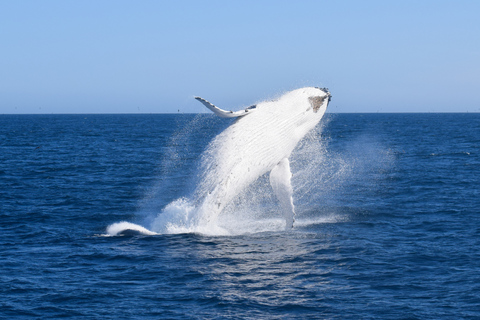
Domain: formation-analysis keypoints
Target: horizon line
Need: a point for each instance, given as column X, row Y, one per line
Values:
column 196, row 113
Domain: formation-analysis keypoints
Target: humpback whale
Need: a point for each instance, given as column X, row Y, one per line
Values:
column 260, row 140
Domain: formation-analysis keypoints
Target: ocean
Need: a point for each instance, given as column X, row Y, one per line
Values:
column 387, row 221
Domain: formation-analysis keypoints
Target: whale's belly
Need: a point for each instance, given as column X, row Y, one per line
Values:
column 246, row 150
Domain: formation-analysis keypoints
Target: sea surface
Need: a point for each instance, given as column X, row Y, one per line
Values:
column 387, row 225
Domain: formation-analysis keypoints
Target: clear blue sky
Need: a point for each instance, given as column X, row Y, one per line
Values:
column 153, row 56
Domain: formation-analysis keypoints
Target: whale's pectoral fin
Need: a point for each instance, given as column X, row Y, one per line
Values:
column 223, row 113
column 280, row 180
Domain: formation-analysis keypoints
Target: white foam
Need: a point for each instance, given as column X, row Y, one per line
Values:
column 120, row 227
column 180, row 216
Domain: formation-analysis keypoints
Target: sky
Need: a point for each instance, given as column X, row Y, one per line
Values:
column 116, row 56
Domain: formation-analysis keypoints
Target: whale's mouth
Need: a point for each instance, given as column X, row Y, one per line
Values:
column 316, row 102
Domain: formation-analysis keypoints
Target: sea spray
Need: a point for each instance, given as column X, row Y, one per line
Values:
column 176, row 174
column 322, row 180
column 245, row 151
column 242, row 153
column 317, row 175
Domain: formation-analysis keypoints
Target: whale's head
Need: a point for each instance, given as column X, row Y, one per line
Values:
column 313, row 100
column 318, row 99
column 305, row 106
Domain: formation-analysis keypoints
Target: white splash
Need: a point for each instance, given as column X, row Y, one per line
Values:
column 120, row 227
column 256, row 143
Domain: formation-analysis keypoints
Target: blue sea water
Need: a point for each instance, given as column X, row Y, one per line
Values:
column 388, row 222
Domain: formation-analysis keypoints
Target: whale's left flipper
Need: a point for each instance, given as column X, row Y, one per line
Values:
column 280, row 177
column 223, row 113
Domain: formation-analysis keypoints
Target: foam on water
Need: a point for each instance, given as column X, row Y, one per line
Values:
column 120, row 227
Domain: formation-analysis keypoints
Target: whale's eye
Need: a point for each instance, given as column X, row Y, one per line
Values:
column 316, row 102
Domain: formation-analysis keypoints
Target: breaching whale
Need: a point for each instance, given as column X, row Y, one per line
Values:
column 259, row 141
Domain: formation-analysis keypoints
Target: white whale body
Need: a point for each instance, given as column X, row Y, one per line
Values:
column 259, row 141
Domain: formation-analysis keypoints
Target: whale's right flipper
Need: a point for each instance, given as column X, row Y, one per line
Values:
column 223, row 113
column 280, row 177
